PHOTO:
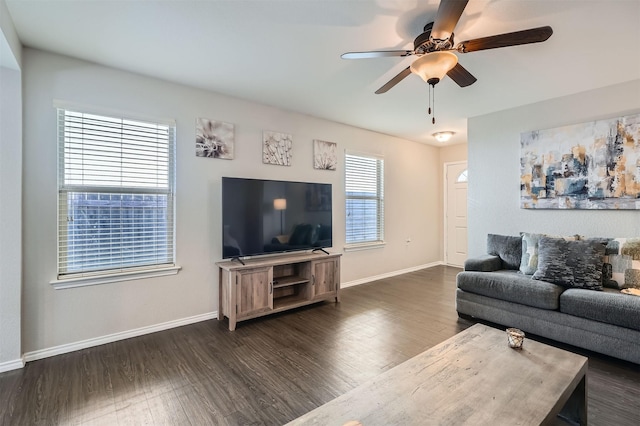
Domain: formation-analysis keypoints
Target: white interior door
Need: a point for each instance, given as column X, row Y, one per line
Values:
column 456, row 213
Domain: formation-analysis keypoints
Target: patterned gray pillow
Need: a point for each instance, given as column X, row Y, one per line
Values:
column 529, row 261
column 607, row 268
column 575, row 264
column 507, row 248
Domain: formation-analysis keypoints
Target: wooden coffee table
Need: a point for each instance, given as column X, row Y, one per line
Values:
column 473, row 378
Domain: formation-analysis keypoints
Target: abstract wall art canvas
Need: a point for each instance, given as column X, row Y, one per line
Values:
column 593, row 165
column 325, row 155
column 214, row 139
column 276, row 148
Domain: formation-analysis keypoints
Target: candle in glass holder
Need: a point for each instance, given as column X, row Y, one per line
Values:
column 515, row 338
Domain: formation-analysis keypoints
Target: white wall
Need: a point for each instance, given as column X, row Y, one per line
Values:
column 61, row 317
column 494, row 168
column 10, row 217
column 452, row 153
column 10, row 194
column 10, row 46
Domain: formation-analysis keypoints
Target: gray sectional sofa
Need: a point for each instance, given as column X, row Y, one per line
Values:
column 493, row 288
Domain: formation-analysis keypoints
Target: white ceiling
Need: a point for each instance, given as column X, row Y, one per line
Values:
column 286, row 53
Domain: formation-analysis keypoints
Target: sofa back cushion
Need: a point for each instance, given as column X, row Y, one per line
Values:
column 507, row 248
column 570, row 263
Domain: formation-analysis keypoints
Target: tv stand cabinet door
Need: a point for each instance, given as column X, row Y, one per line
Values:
column 325, row 280
column 254, row 290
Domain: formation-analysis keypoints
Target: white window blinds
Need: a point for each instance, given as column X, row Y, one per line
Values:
column 115, row 194
column 364, row 184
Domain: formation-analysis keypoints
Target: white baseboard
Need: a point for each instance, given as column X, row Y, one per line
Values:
column 70, row 347
column 11, row 365
column 84, row 344
column 389, row 274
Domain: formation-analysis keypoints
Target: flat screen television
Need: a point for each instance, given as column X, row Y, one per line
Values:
column 269, row 216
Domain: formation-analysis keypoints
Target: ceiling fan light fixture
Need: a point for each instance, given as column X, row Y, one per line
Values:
column 443, row 136
column 432, row 67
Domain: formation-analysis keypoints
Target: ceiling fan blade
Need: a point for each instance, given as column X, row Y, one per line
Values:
column 448, row 15
column 461, row 76
column 376, row 54
column 534, row 35
column 395, row 80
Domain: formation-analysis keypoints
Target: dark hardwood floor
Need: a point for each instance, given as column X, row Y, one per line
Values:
column 270, row 370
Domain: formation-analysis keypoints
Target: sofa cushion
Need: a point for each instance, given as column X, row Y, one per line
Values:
column 507, row 248
column 610, row 306
column 570, row 263
column 511, row 286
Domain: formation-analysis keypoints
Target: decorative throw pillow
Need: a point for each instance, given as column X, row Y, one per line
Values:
column 575, row 264
column 529, row 260
column 624, row 256
column 607, row 268
column 507, row 248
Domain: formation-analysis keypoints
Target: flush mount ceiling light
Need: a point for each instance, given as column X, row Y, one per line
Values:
column 443, row 136
column 432, row 67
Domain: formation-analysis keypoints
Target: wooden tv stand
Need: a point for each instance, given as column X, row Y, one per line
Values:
column 274, row 284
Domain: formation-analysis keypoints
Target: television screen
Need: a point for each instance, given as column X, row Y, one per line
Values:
column 269, row 216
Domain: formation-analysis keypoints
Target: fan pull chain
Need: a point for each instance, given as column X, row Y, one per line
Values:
column 432, row 103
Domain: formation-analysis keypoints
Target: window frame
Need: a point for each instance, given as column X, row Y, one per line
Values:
column 123, row 272
column 379, row 198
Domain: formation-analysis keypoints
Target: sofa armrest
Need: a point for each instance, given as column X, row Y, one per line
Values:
column 486, row 263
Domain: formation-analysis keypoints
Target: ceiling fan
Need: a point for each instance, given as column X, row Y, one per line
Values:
column 435, row 47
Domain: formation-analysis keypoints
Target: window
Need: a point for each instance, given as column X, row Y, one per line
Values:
column 364, row 185
column 463, row 176
column 115, row 195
